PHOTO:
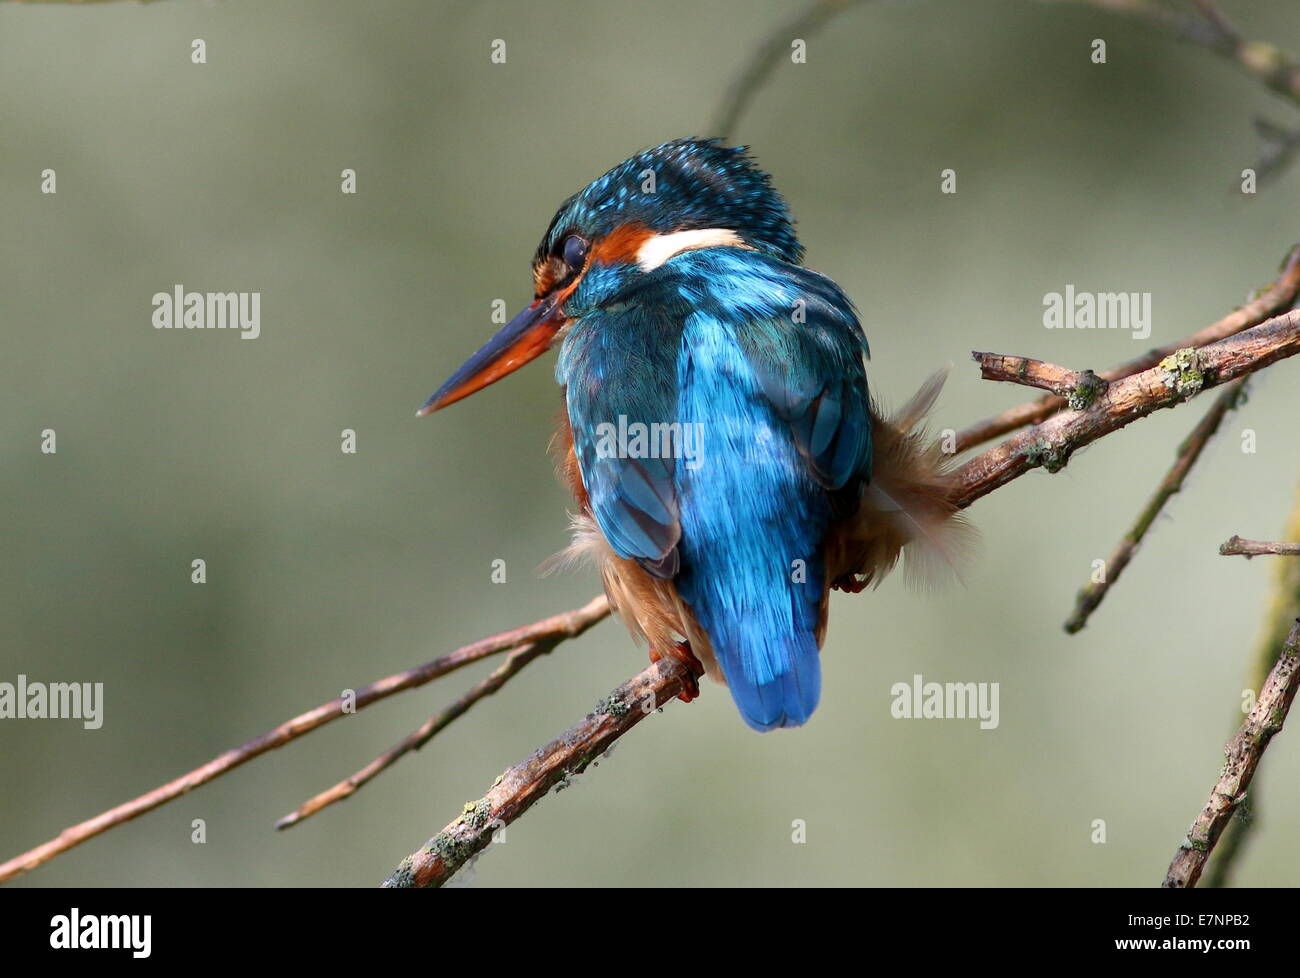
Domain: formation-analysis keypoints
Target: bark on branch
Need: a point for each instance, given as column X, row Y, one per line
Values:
column 1176, row 378
column 1274, row 299
column 1237, row 547
column 1243, row 755
column 520, row 787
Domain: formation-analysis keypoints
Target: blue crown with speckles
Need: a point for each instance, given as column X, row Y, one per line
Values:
column 697, row 183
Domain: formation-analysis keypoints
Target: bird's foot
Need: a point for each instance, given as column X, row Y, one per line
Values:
column 681, row 651
column 851, row 583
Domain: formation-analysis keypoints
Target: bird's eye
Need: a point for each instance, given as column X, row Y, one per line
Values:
column 575, row 251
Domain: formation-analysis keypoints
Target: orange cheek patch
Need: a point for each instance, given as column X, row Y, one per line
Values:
column 622, row 244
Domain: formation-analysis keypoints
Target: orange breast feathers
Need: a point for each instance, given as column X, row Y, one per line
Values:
column 650, row 607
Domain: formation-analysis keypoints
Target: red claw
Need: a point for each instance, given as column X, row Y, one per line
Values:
column 694, row 669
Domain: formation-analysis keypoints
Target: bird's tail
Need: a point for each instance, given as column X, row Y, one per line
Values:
column 752, row 627
column 762, row 613
column 774, row 676
column 906, row 509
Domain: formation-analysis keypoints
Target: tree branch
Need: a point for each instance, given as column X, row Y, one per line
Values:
column 1208, row 28
column 765, row 59
column 1176, row 378
column 499, row 676
column 554, row 629
column 1237, row 547
column 1091, row 596
column 1078, row 388
column 1275, row 298
column 520, row 787
column 1283, row 610
column 1243, row 755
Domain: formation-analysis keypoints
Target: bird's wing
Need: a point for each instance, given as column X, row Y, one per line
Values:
column 809, row 366
column 621, row 370
column 619, row 373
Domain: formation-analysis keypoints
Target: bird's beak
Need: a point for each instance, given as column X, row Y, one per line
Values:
column 524, row 338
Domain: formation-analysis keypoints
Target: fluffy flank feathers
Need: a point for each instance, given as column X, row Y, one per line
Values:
column 905, row 509
column 649, row 606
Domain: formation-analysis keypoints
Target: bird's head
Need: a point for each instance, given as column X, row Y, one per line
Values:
column 684, row 195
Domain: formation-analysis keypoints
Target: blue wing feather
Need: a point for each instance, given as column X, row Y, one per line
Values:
column 608, row 366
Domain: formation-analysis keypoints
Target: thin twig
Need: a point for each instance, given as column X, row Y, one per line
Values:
column 522, row 786
column 1188, row 453
column 556, row 628
column 1208, row 28
column 486, row 687
column 1237, row 547
column 1278, row 149
column 765, row 59
column 1272, row 300
column 1243, row 754
column 1078, row 387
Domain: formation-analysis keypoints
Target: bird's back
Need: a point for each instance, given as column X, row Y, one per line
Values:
column 759, row 364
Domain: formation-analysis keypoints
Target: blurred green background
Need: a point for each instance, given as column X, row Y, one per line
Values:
column 326, row 570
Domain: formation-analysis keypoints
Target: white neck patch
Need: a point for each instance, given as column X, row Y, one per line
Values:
column 658, row 248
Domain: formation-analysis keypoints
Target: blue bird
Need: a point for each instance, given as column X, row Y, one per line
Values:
column 719, row 437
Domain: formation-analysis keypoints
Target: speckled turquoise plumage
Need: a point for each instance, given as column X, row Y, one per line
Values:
column 697, row 183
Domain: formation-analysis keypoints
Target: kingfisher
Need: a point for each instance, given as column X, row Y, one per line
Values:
column 728, row 465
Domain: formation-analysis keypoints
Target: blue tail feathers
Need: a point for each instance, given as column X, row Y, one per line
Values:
column 753, row 519
column 767, row 700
